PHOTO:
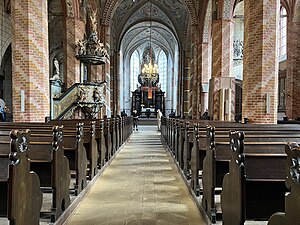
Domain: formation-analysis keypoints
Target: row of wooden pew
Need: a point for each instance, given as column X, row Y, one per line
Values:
column 55, row 159
column 241, row 171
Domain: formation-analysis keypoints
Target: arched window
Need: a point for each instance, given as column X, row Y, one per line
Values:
column 134, row 70
column 283, row 29
column 162, row 69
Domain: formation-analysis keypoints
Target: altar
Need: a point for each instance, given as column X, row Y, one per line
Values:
column 148, row 100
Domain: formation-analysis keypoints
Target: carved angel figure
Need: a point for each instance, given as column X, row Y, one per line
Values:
column 93, row 18
column 81, row 95
column 81, row 47
column 96, row 95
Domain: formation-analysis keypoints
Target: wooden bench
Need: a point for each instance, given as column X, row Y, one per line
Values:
column 187, row 149
column 254, row 187
column 181, row 140
column 200, row 143
column 74, row 149
column 101, row 144
column 292, row 203
column 101, row 128
column 112, row 130
column 218, row 155
column 20, row 193
column 89, row 140
column 107, row 137
column 107, row 142
column 47, row 160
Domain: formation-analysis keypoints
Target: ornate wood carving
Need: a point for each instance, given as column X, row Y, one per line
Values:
column 232, row 191
column 292, row 203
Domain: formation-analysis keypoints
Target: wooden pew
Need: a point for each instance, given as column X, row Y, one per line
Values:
column 181, row 140
column 101, row 143
column 254, row 187
column 218, row 155
column 187, row 149
column 74, row 149
column 292, row 204
column 200, row 143
column 107, row 137
column 117, row 130
column 112, row 131
column 20, row 193
column 101, row 128
column 47, row 160
column 89, row 139
column 45, row 149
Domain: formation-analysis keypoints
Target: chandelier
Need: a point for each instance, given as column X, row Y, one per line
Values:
column 150, row 69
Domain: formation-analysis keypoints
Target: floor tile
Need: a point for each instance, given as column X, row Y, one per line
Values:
column 141, row 186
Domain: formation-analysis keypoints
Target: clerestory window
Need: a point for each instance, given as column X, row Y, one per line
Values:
column 162, row 69
column 283, row 31
column 134, row 70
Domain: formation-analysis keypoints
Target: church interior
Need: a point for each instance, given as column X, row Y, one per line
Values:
column 82, row 85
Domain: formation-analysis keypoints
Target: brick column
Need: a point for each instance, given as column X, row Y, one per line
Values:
column 194, row 73
column 186, row 84
column 179, row 107
column 204, row 76
column 260, row 82
column 30, row 70
column 293, row 68
column 75, row 29
column 222, row 43
column 222, row 57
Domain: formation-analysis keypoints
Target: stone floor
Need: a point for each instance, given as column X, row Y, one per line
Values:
column 142, row 186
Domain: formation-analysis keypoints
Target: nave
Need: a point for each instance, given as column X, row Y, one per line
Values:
column 142, row 185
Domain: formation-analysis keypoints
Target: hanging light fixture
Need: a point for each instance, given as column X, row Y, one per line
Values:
column 150, row 69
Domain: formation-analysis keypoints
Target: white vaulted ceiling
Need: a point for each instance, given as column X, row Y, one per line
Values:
column 131, row 24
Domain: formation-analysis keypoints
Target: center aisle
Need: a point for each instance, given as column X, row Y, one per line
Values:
column 142, row 186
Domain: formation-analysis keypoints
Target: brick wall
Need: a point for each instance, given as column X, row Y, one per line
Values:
column 30, row 56
column 75, row 30
column 260, row 60
column 186, row 84
column 193, row 73
column 293, row 68
column 205, row 75
column 222, row 64
column 222, row 39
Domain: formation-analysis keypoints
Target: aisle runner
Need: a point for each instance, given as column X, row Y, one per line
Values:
column 141, row 186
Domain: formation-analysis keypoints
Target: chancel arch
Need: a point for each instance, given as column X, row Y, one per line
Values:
column 136, row 46
column 149, row 20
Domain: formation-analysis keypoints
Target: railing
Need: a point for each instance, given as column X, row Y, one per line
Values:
column 88, row 96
